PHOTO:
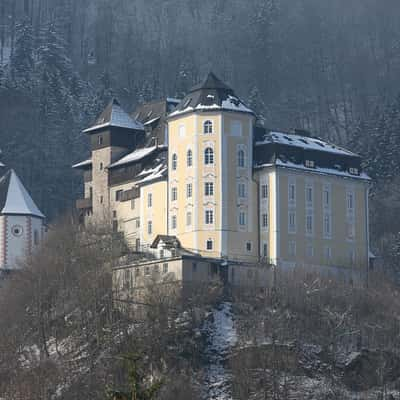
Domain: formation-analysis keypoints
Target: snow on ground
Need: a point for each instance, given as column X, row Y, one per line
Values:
column 222, row 336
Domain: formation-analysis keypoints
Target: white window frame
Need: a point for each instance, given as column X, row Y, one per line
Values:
column 174, row 162
column 327, row 225
column 174, row 222
column 150, row 200
column 292, row 192
column 309, row 227
column 264, row 191
column 150, row 227
column 209, row 216
column 209, row 189
column 189, row 190
column 209, row 158
column 208, row 127
column 242, row 218
column 189, row 158
column 242, row 190
column 209, row 241
column 265, row 220
column 188, row 218
column 174, row 193
column 292, row 225
column 292, row 248
column 241, row 158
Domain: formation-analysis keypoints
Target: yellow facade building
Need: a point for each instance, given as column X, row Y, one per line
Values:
column 202, row 174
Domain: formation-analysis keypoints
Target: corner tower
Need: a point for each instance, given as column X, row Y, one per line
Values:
column 113, row 135
column 212, row 197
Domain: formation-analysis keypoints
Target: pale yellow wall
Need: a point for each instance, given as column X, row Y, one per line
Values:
column 229, row 240
column 339, row 242
column 157, row 213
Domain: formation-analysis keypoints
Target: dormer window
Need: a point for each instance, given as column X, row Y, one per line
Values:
column 354, row 171
column 208, row 127
column 310, row 164
column 100, row 140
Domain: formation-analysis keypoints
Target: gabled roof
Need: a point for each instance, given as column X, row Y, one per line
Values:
column 211, row 94
column 83, row 164
column 135, row 156
column 15, row 199
column 115, row 116
column 169, row 241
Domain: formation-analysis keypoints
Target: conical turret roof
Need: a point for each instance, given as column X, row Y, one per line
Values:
column 15, row 199
column 211, row 94
column 114, row 116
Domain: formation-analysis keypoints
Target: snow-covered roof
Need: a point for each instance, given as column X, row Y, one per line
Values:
column 211, row 95
column 17, row 199
column 316, row 170
column 307, row 143
column 152, row 174
column 115, row 116
column 151, row 121
column 81, row 164
column 134, row 156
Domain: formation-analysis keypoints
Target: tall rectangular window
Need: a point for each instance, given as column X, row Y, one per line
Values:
column 188, row 218
column 265, row 250
column 209, row 217
column 150, row 227
column 189, row 190
column 173, row 222
column 326, row 197
column 242, row 190
column 350, row 202
column 309, row 224
column 242, row 218
column 292, row 248
column 292, row 221
column 118, row 195
column 264, row 191
column 174, row 194
column 265, row 220
column 209, row 189
column 327, row 226
column 149, row 200
column 309, row 196
column 292, row 192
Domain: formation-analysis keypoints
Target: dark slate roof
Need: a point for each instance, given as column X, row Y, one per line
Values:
column 304, row 152
column 114, row 116
column 170, row 241
column 153, row 116
column 211, row 94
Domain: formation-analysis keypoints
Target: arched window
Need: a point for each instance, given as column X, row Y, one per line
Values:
column 241, row 159
column 208, row 127
column 174, row 161
column 208, row 156
column 189, row 158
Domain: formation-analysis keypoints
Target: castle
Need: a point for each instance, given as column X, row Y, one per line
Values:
column 204, row 189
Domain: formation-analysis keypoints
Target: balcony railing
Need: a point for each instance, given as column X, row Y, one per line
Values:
column 84, row 204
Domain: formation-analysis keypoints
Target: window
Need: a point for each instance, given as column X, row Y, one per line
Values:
column 132, row 204
column 208, row 127
column 350, row 202
column 208, row 156
column 194, row 267
column 100, row 140
column 209, row 217
column 188, row 218
column 35, row 237
column 165, row 268
column 310, row 164
column 174, row 162
column 265, row 220
column 101, row 166
column 118, row 195
column 292, row 221
column 292, row 249
column 264, row 191
column 114, row 214
column 309, row 195
column 327, row 253
column 209, row 189
column 310, row 251
column 241, row 159
column 242, row 218
column 241, row 190
column 248, row 246
column 150, row 227
column 292, row 192
column 173, row 222
column 189, row 158
column 309, row 224
column 327, row 225
column 351, row 230
column 147, row 271
column 174, row 194
column 157, row 269
column 209, row 244
column 326, row 197
column 150, row 200
column 265, row 250
column 189, row 190
column 91, row 193
column 138, row 223
column 101, row 199
column 353, row 171
column 352, row 256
